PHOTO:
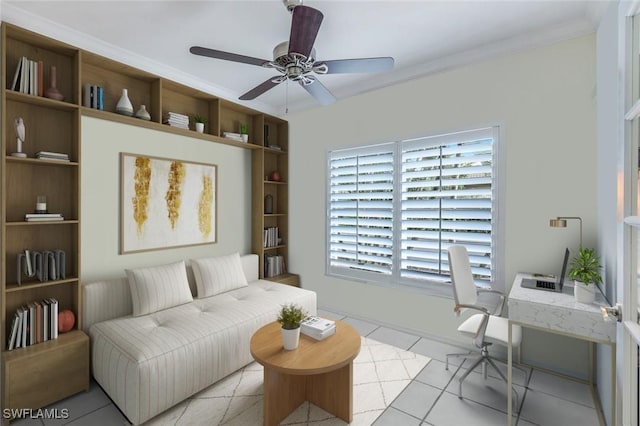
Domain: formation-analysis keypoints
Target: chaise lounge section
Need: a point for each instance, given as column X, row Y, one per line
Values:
column 150, row 362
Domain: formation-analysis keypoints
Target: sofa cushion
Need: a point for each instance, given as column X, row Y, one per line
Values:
column 215, row 275
column 160, row 287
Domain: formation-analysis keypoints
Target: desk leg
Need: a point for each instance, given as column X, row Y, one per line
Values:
column 614, row 390
column 509, row 376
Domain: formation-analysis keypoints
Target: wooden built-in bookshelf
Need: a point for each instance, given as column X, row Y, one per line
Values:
column 53, row 125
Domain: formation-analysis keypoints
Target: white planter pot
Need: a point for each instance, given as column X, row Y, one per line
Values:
column 290, row 339
column 584, row 293
column 200, row 127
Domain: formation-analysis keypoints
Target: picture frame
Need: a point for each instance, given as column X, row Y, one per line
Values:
column 166, row 203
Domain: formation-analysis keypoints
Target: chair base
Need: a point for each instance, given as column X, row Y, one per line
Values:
column 483, row 360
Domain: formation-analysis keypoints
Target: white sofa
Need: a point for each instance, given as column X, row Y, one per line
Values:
column 149, row 363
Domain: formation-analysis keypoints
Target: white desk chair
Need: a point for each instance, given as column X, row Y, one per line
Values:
column 484, row 328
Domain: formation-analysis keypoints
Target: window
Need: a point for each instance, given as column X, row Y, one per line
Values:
column 394, row 209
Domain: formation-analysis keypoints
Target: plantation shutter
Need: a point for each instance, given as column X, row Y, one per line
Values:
column 361, row 210
column 446, row 199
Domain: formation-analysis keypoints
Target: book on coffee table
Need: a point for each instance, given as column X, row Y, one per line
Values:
column 317, row 328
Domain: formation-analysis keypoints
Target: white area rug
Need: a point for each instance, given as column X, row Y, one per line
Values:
column 380, row 373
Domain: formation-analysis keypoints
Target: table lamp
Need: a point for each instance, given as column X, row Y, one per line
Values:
column 561, row 222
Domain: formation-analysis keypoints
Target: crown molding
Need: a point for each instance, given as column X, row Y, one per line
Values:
column 38, row 24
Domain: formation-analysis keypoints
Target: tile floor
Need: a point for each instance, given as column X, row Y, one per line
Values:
column 431, row 399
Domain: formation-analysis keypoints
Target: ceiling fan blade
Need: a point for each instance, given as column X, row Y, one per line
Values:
column 259, row 90
column 219, row 54
column 356, row 65
column 318, row 91
column 305, row 25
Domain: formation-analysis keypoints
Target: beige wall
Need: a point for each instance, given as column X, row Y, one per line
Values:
column 102, row 141
column 544, row 101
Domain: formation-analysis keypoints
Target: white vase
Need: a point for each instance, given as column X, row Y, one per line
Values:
column 584, row 293
column 143, row 114
column 124, row 106
column 245, row 138
column 290, row 338
column 200, row 127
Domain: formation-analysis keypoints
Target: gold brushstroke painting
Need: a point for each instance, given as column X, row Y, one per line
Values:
column 166, row 203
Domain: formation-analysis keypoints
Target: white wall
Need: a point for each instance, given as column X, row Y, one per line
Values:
column 102, row 141
column 544, row 101
column 609, row 134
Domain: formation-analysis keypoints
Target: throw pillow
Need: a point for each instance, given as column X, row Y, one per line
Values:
column 160, row 287
column 215, row 275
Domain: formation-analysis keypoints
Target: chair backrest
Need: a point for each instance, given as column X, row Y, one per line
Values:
column 464, row 287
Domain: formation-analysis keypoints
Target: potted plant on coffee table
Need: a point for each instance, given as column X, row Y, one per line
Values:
column 585, row 271
column 290, row 317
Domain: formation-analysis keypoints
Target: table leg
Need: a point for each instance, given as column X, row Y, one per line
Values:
column 509, row 375
column 333, row 392
column 283, row 393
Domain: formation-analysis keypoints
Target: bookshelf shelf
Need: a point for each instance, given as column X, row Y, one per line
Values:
column 28, row 286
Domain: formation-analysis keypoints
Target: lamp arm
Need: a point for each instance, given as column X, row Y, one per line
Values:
column 579, row 219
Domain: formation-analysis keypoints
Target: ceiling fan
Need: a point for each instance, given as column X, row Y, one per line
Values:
column 295, row 59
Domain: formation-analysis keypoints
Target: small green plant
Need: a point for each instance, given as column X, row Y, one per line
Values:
column 585, row 267
column 244, row 129
column 199, row 119
column 291, row 316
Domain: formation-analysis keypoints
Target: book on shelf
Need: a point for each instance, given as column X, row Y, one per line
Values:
column 13, row 331
column 54, row 318
column 273, row 265
column 48, row 155
column 40, row 78
column 19, row 333
column 43, row 217
column 32, row 323
column 25, row 326
column 317, row 328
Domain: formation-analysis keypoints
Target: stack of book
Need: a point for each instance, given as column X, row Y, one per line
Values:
column 48, row 155
column 33, row 323
column 317, row 328
column 42, row 217
column 273, row 265
column 271, row 237
column 234, row 136
column 174, row 119
column 28, row 77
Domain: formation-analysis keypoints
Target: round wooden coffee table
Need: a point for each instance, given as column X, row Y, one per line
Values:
column 318, row 371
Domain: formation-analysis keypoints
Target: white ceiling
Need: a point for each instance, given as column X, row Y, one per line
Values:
column 423, row 37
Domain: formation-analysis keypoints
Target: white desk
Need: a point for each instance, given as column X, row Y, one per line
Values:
column 559, row 313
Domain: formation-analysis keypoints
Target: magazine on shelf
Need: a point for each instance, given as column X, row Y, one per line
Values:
column 317, row 328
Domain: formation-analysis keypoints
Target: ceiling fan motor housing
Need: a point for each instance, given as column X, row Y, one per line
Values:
column 281, row 55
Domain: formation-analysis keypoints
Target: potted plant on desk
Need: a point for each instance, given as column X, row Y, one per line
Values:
column 585, row 271
column 290, row 317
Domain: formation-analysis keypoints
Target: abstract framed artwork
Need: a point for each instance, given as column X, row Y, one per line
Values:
column 166, row 203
